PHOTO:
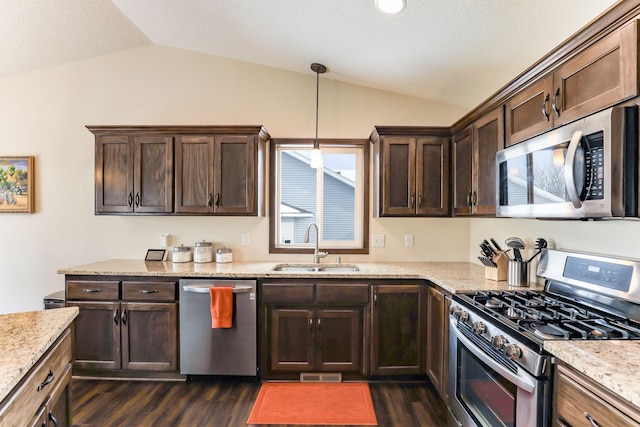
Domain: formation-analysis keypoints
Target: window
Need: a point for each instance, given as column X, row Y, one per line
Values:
column 335, row 197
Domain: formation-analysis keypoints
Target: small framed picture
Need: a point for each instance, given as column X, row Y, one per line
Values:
column 155, row 255
column 16, row 184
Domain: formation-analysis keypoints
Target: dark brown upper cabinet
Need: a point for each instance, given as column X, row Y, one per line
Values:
column 412, row 171
column 219, row 170
column 599, row 76
column 474, row 154
column 134, row 174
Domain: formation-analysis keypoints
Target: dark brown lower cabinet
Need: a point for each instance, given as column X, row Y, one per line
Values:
column 313, row 327
column 304, row 340
column 137, row 333
column 140, row 336
column 56, row 411
column 398, row 335
column 437, row 339
column 580, row 401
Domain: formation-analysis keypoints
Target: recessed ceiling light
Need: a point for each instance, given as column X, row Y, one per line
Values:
column 391, row 6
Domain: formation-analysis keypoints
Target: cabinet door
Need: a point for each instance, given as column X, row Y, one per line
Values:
column 600, row 76
column 97, row 335
column 339, row 340
column 463, row 171
column 432, row 181
column 153, row 174
column 489, row 138
column 149, row 336
column 292, row 340
column 194, row 174
column 437, row 339
column 398, row 176
column 577, row 397
column 398, row 330
column 58, row 407
column 529, row 112
column 113, row 175
column 235, row 172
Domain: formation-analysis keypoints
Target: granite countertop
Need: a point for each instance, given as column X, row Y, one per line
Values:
column 613, row 363
column 24, row 338
column 454, row 277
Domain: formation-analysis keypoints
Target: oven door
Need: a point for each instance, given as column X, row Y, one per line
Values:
column 485, row 392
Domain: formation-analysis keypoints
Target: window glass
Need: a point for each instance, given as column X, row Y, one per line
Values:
column 333, row 196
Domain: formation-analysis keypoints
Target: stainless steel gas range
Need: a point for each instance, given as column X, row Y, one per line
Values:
column 499, row 372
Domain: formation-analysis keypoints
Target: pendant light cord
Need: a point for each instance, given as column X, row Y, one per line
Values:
column 316, row 144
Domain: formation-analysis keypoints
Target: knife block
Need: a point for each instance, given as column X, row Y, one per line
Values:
column 499, row 272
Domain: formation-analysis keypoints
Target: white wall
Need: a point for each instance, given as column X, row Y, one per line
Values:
column 43, row 114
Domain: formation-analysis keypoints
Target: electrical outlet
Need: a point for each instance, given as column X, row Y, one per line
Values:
column 377, row 240
column 165, row 240
column 408, row 240
column 246, row 239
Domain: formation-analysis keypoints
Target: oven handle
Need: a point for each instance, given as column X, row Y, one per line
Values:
column 525, row 383
column 569, row 166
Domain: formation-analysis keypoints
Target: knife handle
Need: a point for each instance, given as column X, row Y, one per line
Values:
column 495, row 244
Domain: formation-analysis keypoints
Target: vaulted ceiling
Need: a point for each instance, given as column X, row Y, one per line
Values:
column 454, row 51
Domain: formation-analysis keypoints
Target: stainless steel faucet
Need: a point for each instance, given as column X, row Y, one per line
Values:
column 316, row 254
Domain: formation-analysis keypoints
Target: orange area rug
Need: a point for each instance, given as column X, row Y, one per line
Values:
column 314, row 404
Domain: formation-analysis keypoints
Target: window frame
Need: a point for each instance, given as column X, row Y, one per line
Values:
column 274, row 199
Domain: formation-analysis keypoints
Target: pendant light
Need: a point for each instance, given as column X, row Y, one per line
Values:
column 391, row 6
column 316, row 154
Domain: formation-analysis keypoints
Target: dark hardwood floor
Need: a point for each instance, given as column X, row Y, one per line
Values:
column 227, row 404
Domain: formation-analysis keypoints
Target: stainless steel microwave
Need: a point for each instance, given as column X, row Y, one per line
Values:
column 586, row 169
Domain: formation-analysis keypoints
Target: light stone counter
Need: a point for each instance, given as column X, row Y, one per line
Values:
column 454, row 277
column 24, row 338
column 614, row 364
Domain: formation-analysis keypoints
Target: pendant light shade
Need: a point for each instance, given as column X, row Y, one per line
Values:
column 390, row 6
column 316, row 154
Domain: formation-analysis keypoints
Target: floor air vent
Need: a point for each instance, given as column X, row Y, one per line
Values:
column 310, row 377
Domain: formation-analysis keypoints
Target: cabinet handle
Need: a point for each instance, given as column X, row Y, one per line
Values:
column 375, row 299
column 420, row 200
column 210, row 200
column 311, row 323
column 413, row 200
column 474, row 198
column 319, row 324
column 216, row 200
column 137, row 199
column 47, row 381
column 591, row 420
column 554, row 105
column 115, row 316
column 148, row 291
column 130, row 199
column 91, row 291
column 544, row 108
column 124, row 316
column 53, row 419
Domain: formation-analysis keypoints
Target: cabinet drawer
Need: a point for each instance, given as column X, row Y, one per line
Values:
column 278, row 293
column 92, row 290
column 575, row 401
column 149, row 291
column 38, row 385
column 343, row 294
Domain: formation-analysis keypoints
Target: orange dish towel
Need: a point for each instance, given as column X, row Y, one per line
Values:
column 221, row 306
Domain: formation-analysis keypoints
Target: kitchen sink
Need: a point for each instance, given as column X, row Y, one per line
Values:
column 316, row 268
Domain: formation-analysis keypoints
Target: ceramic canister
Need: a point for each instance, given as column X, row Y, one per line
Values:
column 203, row 252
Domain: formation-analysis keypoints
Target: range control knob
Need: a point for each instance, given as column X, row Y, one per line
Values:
column 463, row 316
column 479, row 328
column 512, row 351
column 454, row 311
column 498, row 342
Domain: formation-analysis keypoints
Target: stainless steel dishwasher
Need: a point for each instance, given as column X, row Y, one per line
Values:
column 208, row 351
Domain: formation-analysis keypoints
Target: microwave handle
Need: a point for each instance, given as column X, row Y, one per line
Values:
column 569, row 165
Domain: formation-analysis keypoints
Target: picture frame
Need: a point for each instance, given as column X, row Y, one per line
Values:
column 155, row 255
column 16, row 184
